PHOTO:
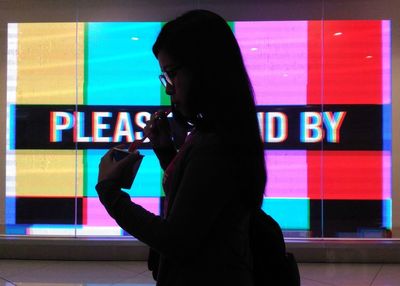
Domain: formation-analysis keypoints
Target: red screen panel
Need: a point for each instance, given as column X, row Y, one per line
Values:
column 345, row 175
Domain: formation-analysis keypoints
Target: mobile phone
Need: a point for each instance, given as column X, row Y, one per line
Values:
column 129, row 173
column 120, row 154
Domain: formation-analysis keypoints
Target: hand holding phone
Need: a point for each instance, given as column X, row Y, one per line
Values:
column 128, row 174
column 120, row 166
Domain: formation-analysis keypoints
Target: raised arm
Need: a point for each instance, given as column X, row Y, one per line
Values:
column 205, row 189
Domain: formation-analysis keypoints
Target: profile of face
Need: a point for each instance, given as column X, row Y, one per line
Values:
column 177, row 80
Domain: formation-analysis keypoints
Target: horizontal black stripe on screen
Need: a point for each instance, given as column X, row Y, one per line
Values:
column 361, row 128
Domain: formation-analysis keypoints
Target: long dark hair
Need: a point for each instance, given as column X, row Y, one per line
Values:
column 222, row 96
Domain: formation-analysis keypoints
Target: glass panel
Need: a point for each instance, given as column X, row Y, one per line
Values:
column 42, row 173
column 121, row 91
column 322, row 80
column 120, row 69
column 276, row 57
column 356, row 173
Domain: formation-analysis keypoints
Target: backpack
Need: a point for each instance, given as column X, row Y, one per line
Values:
column 271, row 263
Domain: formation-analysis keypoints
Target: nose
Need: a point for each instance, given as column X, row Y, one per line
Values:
column 169, row 89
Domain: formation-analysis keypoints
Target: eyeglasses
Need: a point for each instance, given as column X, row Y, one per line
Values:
column 167, row 76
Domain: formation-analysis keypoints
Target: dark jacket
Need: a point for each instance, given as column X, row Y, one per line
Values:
column 203, row 238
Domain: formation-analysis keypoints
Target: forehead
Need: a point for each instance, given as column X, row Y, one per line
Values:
column 165, row 60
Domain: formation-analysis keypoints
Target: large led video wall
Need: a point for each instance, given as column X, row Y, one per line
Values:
column 323, row 93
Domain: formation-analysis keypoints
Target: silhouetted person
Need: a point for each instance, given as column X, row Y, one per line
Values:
column 216, row 179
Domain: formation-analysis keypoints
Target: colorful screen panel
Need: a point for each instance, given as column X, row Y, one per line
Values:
column 323, row 94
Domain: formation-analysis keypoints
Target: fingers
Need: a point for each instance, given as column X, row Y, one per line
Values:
column 158, row 120
column 120, row 146
column 148, row 130
column 156, row 116
column 110, row 168
column 132, row 157
column 108, row 154
column 161, row 114
column 109, row 159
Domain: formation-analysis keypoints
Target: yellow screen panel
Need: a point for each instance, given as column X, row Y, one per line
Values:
column 49, row 173
column 50, row 63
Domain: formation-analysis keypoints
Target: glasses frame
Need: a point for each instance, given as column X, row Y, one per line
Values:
column 167, row 76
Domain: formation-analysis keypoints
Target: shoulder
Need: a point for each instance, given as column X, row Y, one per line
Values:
column 209, row 149
column 208, row 142
column 209, row 138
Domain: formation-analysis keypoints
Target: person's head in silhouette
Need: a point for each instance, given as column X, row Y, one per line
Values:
column 205, row 76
